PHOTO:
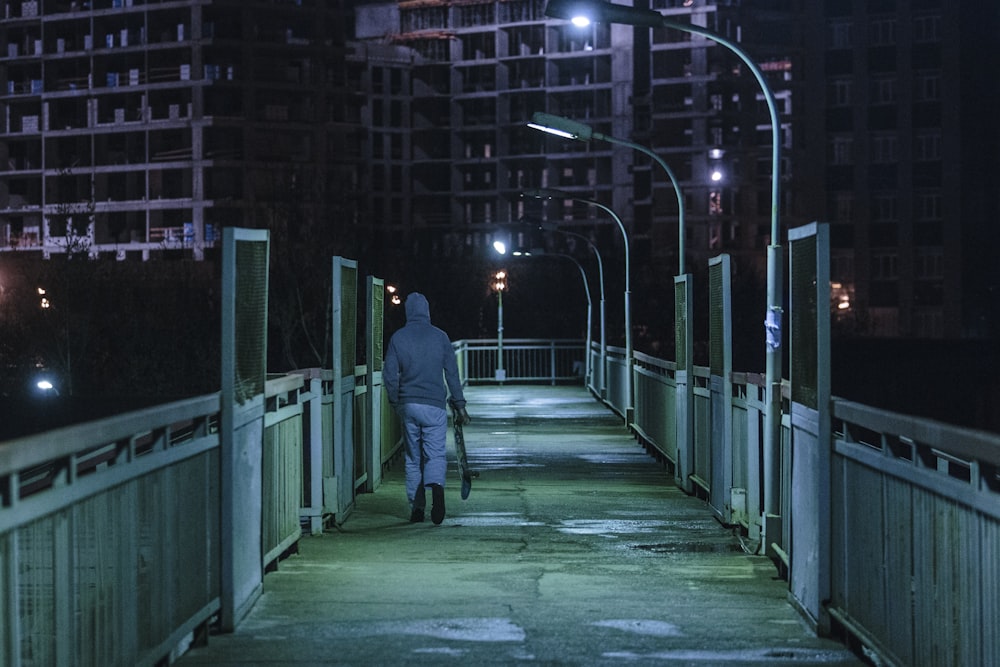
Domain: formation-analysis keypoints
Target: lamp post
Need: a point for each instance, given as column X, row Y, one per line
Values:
column 550, row 227
column 499, row 284
column 571, row 129
column 545, row 193
column 586, row 288
column 683, row 312
column 581, row 12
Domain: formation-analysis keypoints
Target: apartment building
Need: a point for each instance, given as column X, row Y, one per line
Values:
column 898, row 93
column 884, row 132
column 477, row 72
column 141, row 128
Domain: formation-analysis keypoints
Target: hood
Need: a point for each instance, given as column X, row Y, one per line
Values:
column 417, row 308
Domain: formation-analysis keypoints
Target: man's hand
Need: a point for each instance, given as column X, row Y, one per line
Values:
column 462, row 416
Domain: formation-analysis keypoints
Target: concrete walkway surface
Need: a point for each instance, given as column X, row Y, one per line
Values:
column 574, row 548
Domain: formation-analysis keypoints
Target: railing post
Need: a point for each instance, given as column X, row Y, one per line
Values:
column 313, row 511
column 552, row 362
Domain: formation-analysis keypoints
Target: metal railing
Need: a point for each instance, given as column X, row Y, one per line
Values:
column 282, row 466
column 524, row 360
column 109, row 537
column 915, row 536
column 110, row 530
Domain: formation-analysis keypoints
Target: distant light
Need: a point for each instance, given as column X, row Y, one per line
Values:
column 843, row 305
column 716, row 153
column 580, row 21
column 45, row 385
column 716, row 176
column 500, row 247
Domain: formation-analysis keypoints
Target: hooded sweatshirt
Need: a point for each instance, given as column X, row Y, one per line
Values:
column 421, row 361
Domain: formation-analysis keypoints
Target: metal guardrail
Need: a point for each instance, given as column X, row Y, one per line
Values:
column 108, row 537
column 915, row 537
column 283, row 465
column 109, row 530
column 655, row 403
column 524, row 360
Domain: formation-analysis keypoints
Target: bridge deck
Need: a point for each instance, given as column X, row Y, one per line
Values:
column 574, row 548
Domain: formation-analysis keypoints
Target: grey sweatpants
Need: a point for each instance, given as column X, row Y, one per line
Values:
column 425, row 430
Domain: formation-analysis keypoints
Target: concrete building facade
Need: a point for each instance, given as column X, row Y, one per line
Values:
column 903, row 164
column 139, row 128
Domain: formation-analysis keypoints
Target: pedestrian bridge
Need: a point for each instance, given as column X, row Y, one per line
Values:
column 574, row 547
column 630, row 508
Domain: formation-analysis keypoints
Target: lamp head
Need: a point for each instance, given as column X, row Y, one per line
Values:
column 597, row 11
column 561, row 127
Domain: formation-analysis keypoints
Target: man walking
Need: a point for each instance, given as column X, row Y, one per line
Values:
column 418, row 373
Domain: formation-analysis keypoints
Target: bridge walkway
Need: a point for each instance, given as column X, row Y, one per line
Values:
column 574, row 548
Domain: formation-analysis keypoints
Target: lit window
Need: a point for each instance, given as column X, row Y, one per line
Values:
column 715, row 203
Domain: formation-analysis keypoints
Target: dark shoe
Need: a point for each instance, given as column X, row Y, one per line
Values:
column 437, row 508
column 417, row 515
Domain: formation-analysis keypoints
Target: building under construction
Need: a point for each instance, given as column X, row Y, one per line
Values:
column 137, row 128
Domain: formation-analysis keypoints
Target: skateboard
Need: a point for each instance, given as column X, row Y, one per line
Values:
column 463, row 460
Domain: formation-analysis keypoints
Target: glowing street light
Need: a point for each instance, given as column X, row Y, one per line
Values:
column 46, row 387
column 586, row 289
column 499, row 284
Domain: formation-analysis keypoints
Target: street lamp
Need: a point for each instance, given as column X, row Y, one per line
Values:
column 586, row 288
column 499, row 284
column 580, row 12
column 571, row 129
column 46, row 387
column 546, row 193
column 551, row 227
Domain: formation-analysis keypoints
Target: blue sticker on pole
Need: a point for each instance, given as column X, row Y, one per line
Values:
column 772, row 328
